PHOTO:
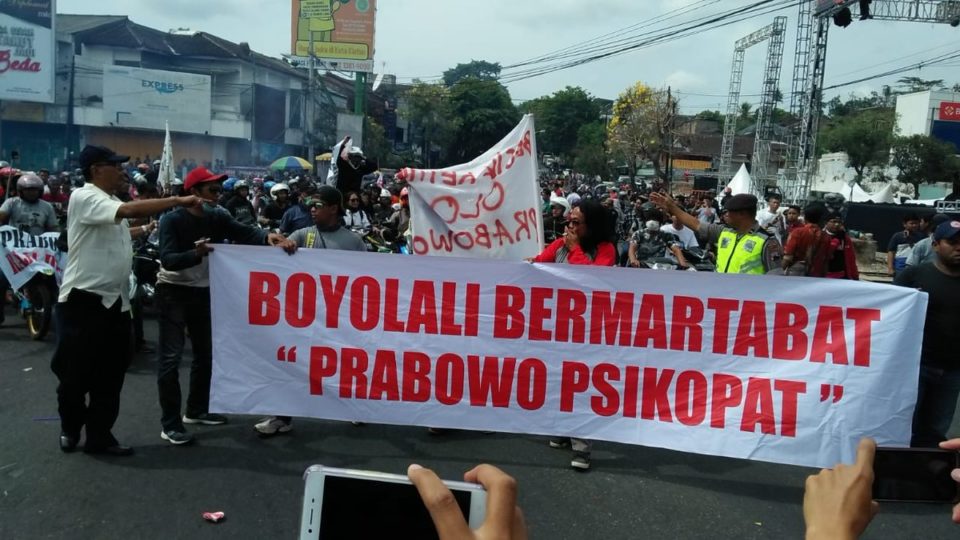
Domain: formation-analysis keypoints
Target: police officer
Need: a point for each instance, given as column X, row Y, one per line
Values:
column 743, row 247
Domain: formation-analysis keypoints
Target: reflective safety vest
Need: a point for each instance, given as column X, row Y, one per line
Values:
column 741, row 254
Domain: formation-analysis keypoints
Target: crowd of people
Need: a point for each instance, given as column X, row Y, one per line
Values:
column 631, row 226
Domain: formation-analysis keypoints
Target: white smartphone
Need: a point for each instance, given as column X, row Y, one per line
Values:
column 348, row 503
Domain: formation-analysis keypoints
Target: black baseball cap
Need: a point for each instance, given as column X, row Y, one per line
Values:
column 99, row 154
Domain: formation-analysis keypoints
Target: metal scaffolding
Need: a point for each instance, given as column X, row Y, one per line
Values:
column 773, row 32
column 810, row 57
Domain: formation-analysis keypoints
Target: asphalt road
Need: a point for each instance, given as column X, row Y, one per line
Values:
column 161, row 492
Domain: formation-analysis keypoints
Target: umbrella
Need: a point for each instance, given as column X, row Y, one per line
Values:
column 290, row 163
column 325, row 157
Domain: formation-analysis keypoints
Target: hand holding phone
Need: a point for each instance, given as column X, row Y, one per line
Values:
column 504, row 518
column 837, row 503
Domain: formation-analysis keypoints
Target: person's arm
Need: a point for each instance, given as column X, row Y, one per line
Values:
column 791, row 248
column 837, row 503
column 5, row 210
column 667, row 204
column 678, row 253
column 171, row 257
column 772, row 254
column 606, row 255
column 152, row 207
column 632, row 254
column 907, row 278
column 51, row 223
column 892, row 252
column 549, row 253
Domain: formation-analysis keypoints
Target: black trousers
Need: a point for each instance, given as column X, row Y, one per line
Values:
column 91, row 359
column 183, row 308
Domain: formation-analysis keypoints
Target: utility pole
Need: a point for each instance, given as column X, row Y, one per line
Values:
column 360, row 94
column 308, row 108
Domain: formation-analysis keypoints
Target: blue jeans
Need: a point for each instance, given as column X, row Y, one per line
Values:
column 936, row 404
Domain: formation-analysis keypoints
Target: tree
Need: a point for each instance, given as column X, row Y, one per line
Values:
column 477, row 69
column 590, row 155
column 865, row 137
column 375, row 143
column 921, row 158
column 559, row 118
column 916, row 84
column 482, row 114
column 715, row 116
column 641, row 124
column 427, row 107
column 745, row 109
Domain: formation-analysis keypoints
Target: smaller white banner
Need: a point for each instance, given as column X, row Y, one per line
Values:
column 23, row 255
column 488, row 208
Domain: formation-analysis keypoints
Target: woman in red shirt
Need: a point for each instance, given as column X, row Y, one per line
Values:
column 587, row 239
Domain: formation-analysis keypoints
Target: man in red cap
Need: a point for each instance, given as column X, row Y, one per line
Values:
column 183, row 297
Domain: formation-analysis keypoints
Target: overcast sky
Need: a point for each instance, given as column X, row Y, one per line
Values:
column 422, row 38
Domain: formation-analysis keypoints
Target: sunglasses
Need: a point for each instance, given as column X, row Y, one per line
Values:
column 318, row 205
column 354, row 200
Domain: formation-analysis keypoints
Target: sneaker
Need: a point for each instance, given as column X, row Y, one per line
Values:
column 272, row 426
column 580, row 462
column 560, row 442
column 207, row 419
column 176, row 437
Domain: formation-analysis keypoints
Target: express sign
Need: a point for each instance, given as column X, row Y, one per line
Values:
column 950, row 110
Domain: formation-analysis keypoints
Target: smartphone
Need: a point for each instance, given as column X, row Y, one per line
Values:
column 347, row 503
column 915, row 475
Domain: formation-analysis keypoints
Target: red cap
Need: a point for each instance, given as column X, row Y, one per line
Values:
column 201, row 175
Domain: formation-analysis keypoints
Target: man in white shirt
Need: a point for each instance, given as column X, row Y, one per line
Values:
column 688, row 238
column 770, row 218
column 92, row 317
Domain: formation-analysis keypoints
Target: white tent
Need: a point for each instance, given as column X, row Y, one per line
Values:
column 885, row 195
column 853, row 193
column 741, row 182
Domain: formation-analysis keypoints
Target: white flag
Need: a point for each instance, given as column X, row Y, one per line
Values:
column 166, row 164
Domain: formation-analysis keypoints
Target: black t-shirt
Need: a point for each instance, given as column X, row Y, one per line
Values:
column 943, row 313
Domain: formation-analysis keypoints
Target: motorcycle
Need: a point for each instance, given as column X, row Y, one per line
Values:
column 146, row 265
column 699, row 259
column 35, row 301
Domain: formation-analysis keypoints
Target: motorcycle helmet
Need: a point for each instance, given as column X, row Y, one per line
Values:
column 278, row 188
column 29, row 181
column 229, row 184
column 241, row 184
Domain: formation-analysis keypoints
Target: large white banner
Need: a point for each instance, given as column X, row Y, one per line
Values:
column 28, row 51
column 23, row 255
column 789, row 370
column 488, row 208
column 148, row 98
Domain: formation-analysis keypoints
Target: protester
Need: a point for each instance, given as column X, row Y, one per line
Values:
column 792, row 221
column 355, row 217
column 29, row 214
column 56, row 194
column 742, row 246
column 840, row 258
column 805, row 251
column 688, row 239
column 901, row 244
column 504, row 519
column 706, row 214
column 93, row 303
column 273, row 213
column 555, row 223
column 352, row 166
column 239, row 204
column 297, row 215
column 939, row 363
column 923, row 250
column 397, row 225
column 327, row 232
column 653, row 242
column 183, row 299
column 586, row 242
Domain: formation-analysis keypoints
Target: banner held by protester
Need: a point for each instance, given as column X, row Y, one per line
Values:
column 781, row 371
column 488, row 208
column 23, row 255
